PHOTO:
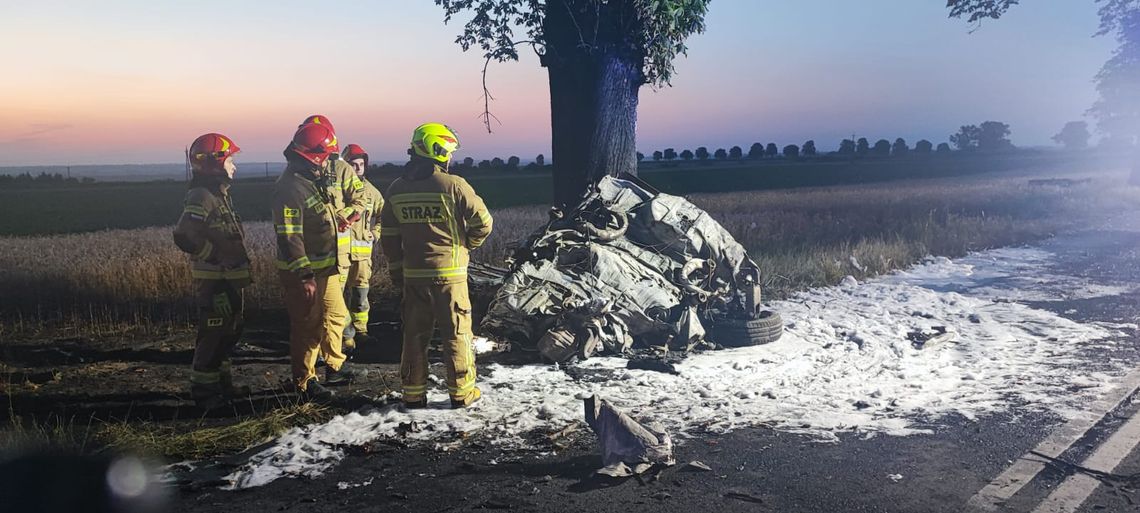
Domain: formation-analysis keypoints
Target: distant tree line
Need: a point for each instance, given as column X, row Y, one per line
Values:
column 989, row 136
column 42, row 179
column 469, row 166
column 859, row 148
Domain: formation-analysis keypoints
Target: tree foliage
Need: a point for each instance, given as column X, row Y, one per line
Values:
column 899, row 148
column 1117, row 111
column 791, row 151
column 687, row 155
column 653, row 30
column 720, row 154
column 1074, row 136
column 1112, row 12
column 670, row 154
column 702, row 153
column 847, row 147
column 756, row 151
column 994, row 135
column 735, row 153
column 966, row 138
column 862, row 147
column 771, row 150
column 882, row 148
column 977, row 10
column 809, row 148
column 923, row 146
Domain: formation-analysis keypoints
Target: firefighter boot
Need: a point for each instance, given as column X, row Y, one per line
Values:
column 208, row 396
column 226, row 379
column 345, row 375
column 473, row 397
column 418, row 404
column 314, row 392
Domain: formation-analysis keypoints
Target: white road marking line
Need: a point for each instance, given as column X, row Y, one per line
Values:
column 1078, row 487
column 1009, row 482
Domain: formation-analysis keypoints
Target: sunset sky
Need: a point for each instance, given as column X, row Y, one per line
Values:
column 126, row 81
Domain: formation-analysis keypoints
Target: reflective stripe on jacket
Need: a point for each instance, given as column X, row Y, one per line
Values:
column 346, row 193
column 429, row 223
column 211, row 233
column 305, row 225
column 366, row 230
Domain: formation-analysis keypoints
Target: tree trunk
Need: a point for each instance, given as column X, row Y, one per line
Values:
column 593, row 101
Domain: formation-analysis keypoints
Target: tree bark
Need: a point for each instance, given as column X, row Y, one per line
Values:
column 593, row 100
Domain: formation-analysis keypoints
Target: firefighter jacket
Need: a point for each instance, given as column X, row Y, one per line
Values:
column 346, row 192
column 366, row 230
column 305, row 222
column 429, row 222
column 211, row 232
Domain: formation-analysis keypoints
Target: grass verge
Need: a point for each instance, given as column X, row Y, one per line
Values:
column 167, row 440
column 174, row 443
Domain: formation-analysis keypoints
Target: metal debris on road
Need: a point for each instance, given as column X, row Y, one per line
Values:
column 697, row 466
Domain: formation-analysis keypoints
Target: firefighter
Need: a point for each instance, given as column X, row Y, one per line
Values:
column 211, row 232
column 364, row 233
column 348, row 204
column 430, row 222
column 306, row 222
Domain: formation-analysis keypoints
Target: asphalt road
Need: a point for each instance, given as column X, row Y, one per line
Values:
column 762, row 469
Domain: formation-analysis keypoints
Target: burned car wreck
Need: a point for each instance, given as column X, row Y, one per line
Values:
column 627, row 268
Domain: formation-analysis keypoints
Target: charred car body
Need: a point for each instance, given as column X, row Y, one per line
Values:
column 629, row 267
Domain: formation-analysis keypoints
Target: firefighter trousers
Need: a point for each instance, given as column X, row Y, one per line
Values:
column 335, row 319
column 220, row 324
column 308, row 329
column 359, row 274
column 430, row 304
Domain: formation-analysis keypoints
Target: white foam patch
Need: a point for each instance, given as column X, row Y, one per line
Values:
column 1010, row 274
column 844, row 365
column 483, row 345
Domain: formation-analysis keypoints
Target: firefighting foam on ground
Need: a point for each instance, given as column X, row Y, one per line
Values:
column 384, row 316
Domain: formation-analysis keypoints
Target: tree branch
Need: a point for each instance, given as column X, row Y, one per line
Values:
column 486, row 115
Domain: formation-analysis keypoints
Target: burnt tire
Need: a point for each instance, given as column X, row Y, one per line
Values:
column 747, row 332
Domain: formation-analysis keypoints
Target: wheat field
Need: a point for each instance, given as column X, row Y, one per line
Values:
column 116, row 280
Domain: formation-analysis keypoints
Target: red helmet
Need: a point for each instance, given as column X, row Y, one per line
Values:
column 353, row 152
column 317, row 119
column 314, row 143
column 208, row 153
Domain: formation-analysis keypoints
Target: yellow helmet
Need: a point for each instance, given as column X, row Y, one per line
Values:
column 435, row 141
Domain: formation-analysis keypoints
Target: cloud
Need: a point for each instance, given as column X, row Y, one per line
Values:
column 34, row 132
